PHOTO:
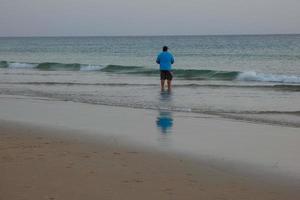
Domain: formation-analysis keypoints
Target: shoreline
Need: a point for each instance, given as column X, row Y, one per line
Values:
column 37, row 164
column 202, row 156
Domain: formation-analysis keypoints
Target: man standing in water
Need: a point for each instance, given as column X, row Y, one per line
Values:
column 165, row 61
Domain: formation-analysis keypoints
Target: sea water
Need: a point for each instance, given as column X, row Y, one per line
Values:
column 253, row 78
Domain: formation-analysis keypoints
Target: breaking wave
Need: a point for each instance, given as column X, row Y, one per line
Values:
column 186, row 74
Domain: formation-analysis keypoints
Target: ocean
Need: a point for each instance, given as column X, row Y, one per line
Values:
column 253, row 78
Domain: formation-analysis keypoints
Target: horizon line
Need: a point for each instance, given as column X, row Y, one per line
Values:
column 159, row 35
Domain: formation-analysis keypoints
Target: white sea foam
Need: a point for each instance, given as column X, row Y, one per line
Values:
column 21, row 65
column 254, row 76
column 91, row 67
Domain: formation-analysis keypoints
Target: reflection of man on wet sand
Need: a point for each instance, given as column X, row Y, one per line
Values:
column 165, row 61
column 164, row 121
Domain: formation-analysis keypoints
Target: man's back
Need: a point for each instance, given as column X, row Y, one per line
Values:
column 165, row 60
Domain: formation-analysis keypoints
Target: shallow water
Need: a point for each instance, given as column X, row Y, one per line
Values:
column 252, row 78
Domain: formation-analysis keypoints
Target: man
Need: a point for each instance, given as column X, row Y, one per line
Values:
column 165, row 61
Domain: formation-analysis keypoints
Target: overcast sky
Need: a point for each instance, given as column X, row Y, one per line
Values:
column 147, row 17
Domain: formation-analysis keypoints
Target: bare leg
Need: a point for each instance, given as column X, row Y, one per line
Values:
column 162, row 84
column 169, row 85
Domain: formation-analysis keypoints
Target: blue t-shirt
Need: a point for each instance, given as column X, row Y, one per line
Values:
column 165, row 60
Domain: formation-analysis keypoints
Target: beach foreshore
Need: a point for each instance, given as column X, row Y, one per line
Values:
column 49, row 153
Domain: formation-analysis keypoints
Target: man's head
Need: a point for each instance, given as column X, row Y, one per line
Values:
column 165, row 48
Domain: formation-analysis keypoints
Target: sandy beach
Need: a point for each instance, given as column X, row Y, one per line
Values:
column 44, row 158
column 36, row 165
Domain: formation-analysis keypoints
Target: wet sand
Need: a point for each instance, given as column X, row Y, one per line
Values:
column 64, row 157
column 36, row 165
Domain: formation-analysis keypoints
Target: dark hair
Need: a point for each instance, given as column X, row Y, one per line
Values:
column 165, row 48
